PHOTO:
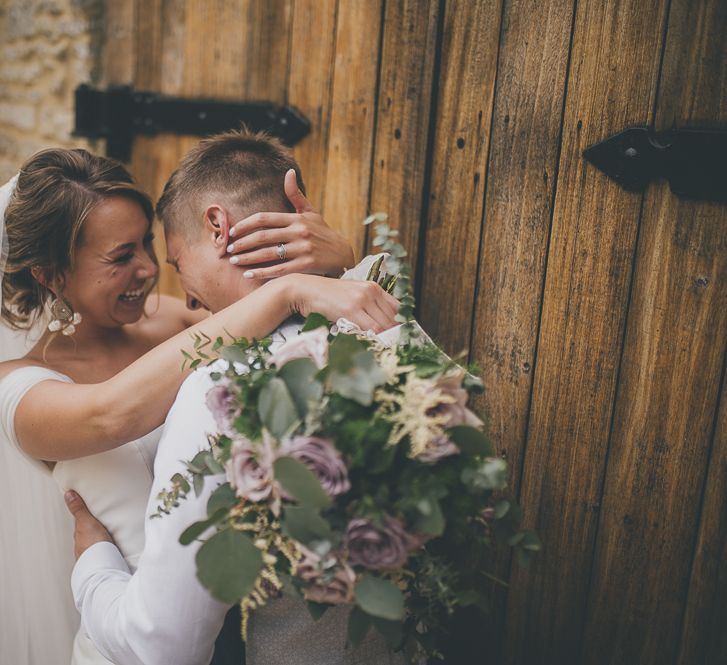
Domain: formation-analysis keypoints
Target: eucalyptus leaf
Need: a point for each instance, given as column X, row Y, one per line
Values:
column 228, row 565
column 380, row 598
column 316, row 610
column 358, row 625
column 198, row 482
column 276, row 408
column 361, row 376
column 194, row 531
column 299, row 481
column 431, row 519
column 314, row 321
column 471, row 441
column 234, row 354
column 305, row 525
column 393, row 631
column 299, row 377
column 223, row 497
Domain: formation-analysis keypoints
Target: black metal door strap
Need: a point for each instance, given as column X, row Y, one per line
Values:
column 694, row 161
column 120, row 113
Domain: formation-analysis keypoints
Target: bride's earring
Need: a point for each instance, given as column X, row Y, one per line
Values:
column 64, row 319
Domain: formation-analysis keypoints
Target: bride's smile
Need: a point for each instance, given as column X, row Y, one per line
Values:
column 115, row 265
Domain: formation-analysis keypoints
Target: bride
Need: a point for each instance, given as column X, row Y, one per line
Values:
column 87, row 401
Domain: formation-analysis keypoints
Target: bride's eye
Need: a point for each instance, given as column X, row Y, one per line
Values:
column 125, row 258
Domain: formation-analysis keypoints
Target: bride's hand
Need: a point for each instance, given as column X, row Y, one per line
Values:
column 88, row 530
column 311, row 246
column 364, row 303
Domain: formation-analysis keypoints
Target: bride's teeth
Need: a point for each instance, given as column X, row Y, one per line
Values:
column 131, row 295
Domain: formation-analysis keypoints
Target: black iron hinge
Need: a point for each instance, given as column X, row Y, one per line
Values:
column 694, row 161
column 120, row 113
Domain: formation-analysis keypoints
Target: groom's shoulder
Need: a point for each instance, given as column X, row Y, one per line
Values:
column 197, row 384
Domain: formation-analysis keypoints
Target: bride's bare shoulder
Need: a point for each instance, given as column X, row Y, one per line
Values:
column 11, row 365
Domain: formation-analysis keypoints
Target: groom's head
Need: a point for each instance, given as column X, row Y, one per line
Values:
column 224, row 179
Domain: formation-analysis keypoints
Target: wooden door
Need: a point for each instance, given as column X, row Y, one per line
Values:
column 599, row 316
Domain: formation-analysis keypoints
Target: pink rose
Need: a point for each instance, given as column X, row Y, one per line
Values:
column 384, row 547
column 327, row 580
column 223, row 404
column 312, row 344
column 250, row 470
column 322, row 458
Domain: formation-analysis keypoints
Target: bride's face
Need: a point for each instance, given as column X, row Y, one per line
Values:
column 115, row 264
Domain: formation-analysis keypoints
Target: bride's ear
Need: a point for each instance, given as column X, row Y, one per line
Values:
column 43, row 278
column 217, row 227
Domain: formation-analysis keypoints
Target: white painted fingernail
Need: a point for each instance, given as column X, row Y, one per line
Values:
column 233, row 231
column 231, row 248
column 234, row 259
column 248, row 274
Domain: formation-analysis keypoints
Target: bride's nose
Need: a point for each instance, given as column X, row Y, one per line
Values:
column 148, row 267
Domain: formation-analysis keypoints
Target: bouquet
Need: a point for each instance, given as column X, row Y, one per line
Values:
column 355, row 475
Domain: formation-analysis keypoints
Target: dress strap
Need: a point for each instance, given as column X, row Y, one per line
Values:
column 13, row 387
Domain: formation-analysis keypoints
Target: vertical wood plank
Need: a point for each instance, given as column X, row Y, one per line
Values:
column 464, row 111
column 348, row 168
column 670, row 379
column 586, row 290
column 119, row 56
column 521, row 180
column 703, row 636
column 310, row 86
column 403, row 116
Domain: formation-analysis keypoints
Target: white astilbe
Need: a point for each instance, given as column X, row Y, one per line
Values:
column 413, row 413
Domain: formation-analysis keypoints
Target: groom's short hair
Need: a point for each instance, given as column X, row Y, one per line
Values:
column 245, row 169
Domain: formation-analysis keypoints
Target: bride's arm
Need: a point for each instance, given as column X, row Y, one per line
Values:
column 57, row 420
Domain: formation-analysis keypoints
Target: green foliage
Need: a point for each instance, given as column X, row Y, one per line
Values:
column 380, row 598
column 455, row 504
column 300, row 482
column 228, row 564
column 299, row 377
column 305, row 525
column 276, row 408
column 315, row 320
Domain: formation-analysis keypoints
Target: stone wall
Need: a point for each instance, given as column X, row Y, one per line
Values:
column 48, row 48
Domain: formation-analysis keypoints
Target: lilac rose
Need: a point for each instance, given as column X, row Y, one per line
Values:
column 250, row 470
column 322, row 458
column 384, row 547
column 223, row 404
column 330, row 581
column 312, row 344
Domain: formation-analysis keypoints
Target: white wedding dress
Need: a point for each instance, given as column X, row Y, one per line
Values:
column 115, row 485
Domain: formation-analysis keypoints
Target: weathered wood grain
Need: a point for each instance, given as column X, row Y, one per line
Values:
column 119, row 55
column 309, row 88
column 403, row 117
column 703, row 635
column 521, row 178
column 670, row 378
column 464, row 110
column 353, row 106
column 585, row 298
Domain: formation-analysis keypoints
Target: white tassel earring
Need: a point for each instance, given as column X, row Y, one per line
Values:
column 64, row 319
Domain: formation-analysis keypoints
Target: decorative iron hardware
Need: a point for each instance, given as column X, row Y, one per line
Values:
column 120, row 113
column 694, row 161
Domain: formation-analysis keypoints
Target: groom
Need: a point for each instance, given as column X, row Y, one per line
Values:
column 161, row 614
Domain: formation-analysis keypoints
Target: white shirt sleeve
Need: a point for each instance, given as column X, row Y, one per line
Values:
column 161, row 614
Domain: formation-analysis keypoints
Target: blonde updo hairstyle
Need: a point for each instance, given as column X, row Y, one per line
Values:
column 55, row 192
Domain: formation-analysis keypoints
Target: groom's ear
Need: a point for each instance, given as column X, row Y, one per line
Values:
column 217, row 227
